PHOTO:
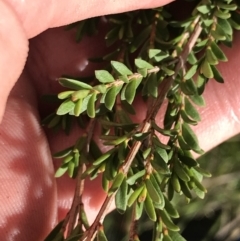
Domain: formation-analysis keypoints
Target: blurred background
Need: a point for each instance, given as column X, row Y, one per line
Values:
column 215, row 218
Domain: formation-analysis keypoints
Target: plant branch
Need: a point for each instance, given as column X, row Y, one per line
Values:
column 164, row 88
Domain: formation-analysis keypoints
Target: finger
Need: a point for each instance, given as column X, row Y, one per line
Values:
column 47, row 14
column 13, row 49
column 27, row 191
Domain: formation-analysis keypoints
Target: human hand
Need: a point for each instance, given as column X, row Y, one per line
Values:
column 28, row 189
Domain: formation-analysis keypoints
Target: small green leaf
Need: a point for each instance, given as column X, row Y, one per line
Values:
column 78, row 107
column 168, row 71
column 71, row 167
column 80, row 94
column 152, row 191
column 178, row 168
column 110, row 168
column 167, row 221
column 199, row 185
column 170, row 191
column 162, row 153
column 191, row 72
column 100, row 88
column 157, row 142
column 206, row 69
column 201, row 82
column 189, row 87
column 61, row 170
column 134, row 196
column 76, row 158
column 189, row 161
column 198, row 99
column 153, row 52
column 138, row 210
column 84, row 218
column 170, row 209
column 199, row 193
column 116, row 141
column 162, row 131
column 149, row 208
column 143, row 194
column 143, row 64
column 63, row 153
column 161, row 204
column 141, row 136
column 208, row 22
column 132, row 179
column 105, row 183
column 192, row 58
column 65, row 94
column 218, row 34
column 222, row 15
column 227, row 6
column 191, row 110
column 116, row 182
column 66, row 107
column 111, row 97
column 67, row 159
column 103, row 157
column 204, row 9
column 202, row 171
column 91, row 105
column 104, row 76
column 161, row 56
column 159, row 164
column 121, row 197
column 146, row 152
column 211, row 57
column 234, row 24
column 120, row 68
column 225, row 25
column 74, row 84
column 182, row 143
column 143, row 72
column 185, row 189
column 190, row 137
column 130, row 91
column 218, row 52
column 186, row 118
column 152, row 85
column 217, row 75
column 175, row 236
column 124, row 78
column 175, row 183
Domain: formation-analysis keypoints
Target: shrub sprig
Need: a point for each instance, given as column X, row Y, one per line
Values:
column 173, row 61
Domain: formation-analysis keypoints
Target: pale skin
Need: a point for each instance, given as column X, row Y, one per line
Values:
column 29, row 202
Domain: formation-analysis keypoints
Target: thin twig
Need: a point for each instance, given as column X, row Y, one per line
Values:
column 72, row 216
column 133, row 225
column 74, row 211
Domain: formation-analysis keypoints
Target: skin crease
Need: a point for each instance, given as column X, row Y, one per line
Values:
column 28, row 193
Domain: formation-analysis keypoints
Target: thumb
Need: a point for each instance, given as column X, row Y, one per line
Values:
column 25, row 19
column 13, row 49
